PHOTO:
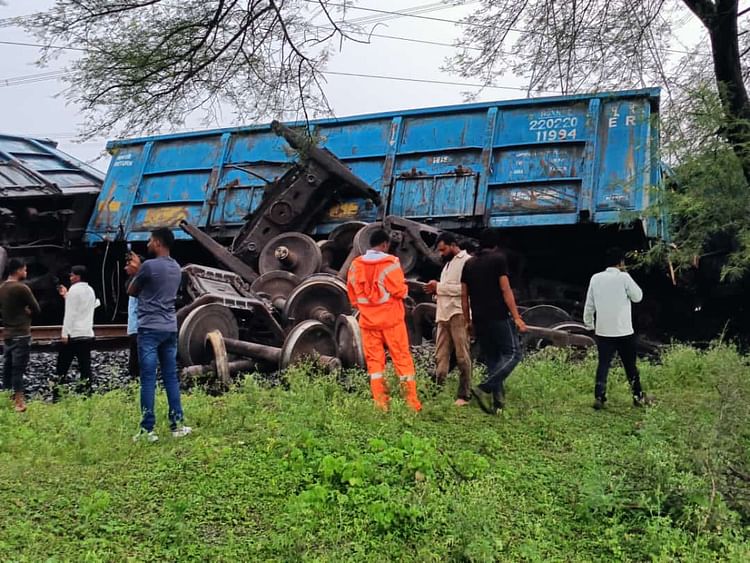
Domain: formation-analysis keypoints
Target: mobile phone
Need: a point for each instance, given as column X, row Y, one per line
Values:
column 415, row 285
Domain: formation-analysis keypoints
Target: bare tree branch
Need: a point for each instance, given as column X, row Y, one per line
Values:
column 150, row 63
column 608, row 44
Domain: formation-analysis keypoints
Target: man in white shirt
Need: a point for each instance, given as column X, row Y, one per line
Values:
column 78, row 326
column 608, row 313
column 451, row 331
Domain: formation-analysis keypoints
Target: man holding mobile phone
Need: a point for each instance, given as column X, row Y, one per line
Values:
column 155, row 283
column 451, row 330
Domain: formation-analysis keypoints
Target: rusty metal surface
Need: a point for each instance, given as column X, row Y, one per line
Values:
column 298, row 200
column 191, row 342
column 310, row 340
column 343, row 235
column 211, row 285
column 333, row 256
column 545, row 315
column 349, row 342
column 353, row 185
column 222, row 255
column 561, row 337
column 202, row 280
column 276, row 286
column 292, row 203
column 262, row 352
column 214, row 341
column 292, row 252
column 408, row 241
column 418, row 238
column 233, row 367
column 321, row 297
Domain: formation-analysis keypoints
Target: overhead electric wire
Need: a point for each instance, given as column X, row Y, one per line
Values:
column 15, row 81
column 31, row 78
column 426, row 8
column 26, row 44
column 454, row 22
column 375, row 18
column 408, row 12
column 428, row 81
column 322, row 27
column 422, row 9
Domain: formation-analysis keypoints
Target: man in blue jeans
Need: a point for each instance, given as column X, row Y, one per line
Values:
column 156, row 283
column 494, row 319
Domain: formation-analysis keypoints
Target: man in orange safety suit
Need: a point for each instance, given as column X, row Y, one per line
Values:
column 376, row 287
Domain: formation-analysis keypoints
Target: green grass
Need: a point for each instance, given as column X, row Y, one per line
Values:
column 314, row 473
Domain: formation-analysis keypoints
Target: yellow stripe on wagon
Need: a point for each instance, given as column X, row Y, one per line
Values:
column 164, row 216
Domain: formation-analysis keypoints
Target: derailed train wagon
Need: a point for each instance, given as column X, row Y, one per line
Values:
column 46, row 201
column 562, row 177
column 572, row 160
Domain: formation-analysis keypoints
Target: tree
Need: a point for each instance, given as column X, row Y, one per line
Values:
column 581, row 45
column 708, row 196
column 146, row 63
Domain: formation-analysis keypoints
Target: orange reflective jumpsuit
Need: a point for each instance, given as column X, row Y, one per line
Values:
column 376, row 287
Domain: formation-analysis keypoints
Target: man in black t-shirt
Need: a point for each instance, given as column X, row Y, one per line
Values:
column 495, row 321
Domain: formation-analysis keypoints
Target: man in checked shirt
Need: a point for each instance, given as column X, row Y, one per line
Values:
column 451, row 331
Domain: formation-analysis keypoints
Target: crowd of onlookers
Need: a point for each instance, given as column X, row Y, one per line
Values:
column 152, row 329
column 474, row 299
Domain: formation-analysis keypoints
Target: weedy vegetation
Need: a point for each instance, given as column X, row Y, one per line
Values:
column 310, row 471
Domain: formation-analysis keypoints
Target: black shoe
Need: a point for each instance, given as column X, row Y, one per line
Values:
column 498, row 401
column 643, row 400
column 599, row 404
column 484, row 400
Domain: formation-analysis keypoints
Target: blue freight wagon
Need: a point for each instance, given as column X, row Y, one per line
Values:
column 563, row 178
column 582, row 160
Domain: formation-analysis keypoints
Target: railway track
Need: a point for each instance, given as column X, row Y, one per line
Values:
column 46, row 338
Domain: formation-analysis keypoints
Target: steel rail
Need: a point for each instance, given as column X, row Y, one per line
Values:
column 106, row 337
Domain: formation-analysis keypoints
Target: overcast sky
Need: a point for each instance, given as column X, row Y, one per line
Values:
column 36, row 109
